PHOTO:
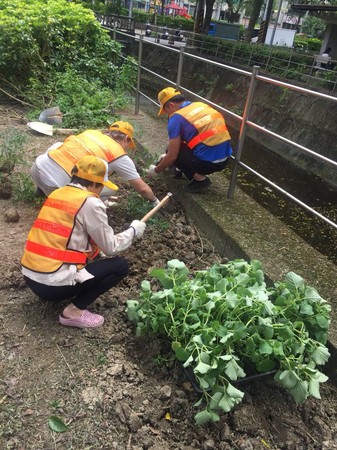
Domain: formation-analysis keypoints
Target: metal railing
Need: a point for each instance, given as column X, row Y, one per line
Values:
column 281, row 61
column 116, row 22
column 275, row 60
column 244, row 120
column 289, row 64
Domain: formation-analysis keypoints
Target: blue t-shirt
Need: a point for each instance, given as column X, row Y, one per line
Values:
column 179, row 126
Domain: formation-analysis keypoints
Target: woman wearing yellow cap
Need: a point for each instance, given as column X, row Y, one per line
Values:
column 52, row 169
column 199, row 142
column 71, row 228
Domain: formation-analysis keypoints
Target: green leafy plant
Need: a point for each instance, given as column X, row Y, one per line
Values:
column 229, row 87
column 57, row 425
column 41, row 40
column 11, row 149
column 102, row 359
column 224, row 320
column 137, row 208
column 24, row 189
column 12, row 144
column 56, row 404
column 86, row 104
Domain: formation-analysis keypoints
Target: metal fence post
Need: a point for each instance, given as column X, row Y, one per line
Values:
column 269, row 56
column 140, row 52
column 233, row 52
column 180, row 66
column 251, row 54
column 243, row 130
column 217, row 47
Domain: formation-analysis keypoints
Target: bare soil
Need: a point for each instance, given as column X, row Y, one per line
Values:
column 114, row 389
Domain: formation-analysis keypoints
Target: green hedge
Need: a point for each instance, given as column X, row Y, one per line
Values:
column 304, row 43
column 56, row 52
column 38, row 37
column 280, row 61
column 163, row 20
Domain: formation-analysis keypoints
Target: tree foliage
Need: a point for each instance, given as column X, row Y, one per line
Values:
column 42, row 38
column 255, row 12
column 234, row 7
column 106, row 7
column 313, row 26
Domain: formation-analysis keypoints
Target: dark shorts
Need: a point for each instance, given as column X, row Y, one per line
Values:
column 190, row 164
column 106, row 274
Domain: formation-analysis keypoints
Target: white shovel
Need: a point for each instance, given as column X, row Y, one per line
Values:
column 45, row 128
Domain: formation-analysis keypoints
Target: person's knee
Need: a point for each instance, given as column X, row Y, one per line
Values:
column 123, row 269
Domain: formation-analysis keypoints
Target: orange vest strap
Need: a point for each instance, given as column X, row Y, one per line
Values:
column 52, row 227
column 200, row 138
column 62, row 205
column 66, row 256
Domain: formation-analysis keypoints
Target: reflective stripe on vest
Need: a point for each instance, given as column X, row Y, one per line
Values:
column 90, row 142
column 47, row 243
column 211, row 126
column 66, row 256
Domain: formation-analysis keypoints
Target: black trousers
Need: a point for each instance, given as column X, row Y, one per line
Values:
column 107, row 273
column 189, row 164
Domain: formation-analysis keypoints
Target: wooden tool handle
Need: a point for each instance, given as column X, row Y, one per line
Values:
column 156, row 208
column 65, row 130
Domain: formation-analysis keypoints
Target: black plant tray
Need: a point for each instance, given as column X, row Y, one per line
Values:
column 258, row 376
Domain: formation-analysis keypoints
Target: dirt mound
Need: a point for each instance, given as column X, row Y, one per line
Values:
column 113, row 389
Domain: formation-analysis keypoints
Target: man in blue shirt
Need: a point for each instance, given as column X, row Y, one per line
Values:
column 199, row 142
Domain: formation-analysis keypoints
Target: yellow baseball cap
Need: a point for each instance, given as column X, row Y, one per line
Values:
column 165, row 95
column 94, row 169
column 125, row 128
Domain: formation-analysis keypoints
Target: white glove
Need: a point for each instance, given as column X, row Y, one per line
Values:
column 151, row 172
column 161, row 157
column 139, row 228
column 109, row 203
column 155, row 202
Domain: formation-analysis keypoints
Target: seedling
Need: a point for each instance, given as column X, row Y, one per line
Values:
column 223, row 320
column 102, row 359
column 56, row 404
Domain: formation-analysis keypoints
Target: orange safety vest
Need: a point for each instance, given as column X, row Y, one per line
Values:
column 47, row 245
column 211, row 126
column 90, row 142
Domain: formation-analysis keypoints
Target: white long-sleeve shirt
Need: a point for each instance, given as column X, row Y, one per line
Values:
column 91, row 221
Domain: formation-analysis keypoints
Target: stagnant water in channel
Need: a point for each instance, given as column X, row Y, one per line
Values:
column 309, row 189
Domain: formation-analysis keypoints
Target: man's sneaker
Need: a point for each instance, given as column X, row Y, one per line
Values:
column 198, row 186
column 176, row 173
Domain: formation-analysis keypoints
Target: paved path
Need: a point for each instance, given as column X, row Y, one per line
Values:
column 176, row 44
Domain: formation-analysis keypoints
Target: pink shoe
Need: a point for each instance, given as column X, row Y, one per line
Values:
column 86, row 320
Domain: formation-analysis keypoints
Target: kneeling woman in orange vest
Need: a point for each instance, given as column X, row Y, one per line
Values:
column 71, row 228
column 52, row 169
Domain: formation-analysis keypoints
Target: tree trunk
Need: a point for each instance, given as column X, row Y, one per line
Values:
column 208, row 15
column 265, row 22
column 199, row 17
column 257, row 5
